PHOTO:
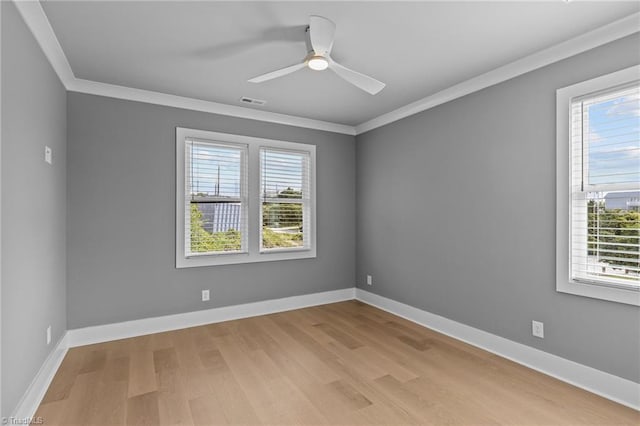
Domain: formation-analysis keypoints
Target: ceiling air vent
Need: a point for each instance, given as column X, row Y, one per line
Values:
column 252, row 101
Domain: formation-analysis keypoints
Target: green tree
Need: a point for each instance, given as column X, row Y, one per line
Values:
column 272, row 239
column 283, row 214
column 203, row 241
column 613, row 233
column 289, row 193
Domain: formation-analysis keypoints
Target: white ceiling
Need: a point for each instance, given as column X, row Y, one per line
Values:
column 208, row 50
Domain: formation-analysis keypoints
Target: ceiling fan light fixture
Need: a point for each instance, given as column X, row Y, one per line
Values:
column 320, row 41
column 318, row 63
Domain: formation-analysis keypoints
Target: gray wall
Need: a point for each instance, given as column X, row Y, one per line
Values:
column 456, row 215
column 33, row 207
column 121, row 222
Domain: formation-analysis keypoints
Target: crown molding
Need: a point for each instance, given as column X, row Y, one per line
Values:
column 602, row 35
column 38, row 23
column 139, row 95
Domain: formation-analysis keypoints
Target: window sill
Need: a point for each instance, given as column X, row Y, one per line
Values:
column 613, row 294
column 240, row 258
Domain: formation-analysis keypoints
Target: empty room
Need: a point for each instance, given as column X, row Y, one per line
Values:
column 319, row 213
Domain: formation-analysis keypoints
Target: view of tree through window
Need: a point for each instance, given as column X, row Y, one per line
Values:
column 606, row 179
column 214, row 180
column 243, row 199
column 284, row 183
column 216, row 209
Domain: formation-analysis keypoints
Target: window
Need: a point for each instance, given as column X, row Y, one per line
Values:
column 215, row 198
column 242, row 199
column 284, row 187
column 598, row 188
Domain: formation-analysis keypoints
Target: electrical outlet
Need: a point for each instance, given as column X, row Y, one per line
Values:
column 48, row 155
column 205, row 295
column 48, row 335
column 369, row 280
column 537, row 329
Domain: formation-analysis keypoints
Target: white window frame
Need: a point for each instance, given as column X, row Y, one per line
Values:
column 564, row 96
column 305, row 202
column 253, row 252
column 243, row 197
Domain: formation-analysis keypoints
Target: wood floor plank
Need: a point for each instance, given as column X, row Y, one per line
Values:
column 202, row 339
column 196, row 382
column 299, row 368
column 236, row 406
column 117, row 369
column 93, row 361
column 276, row 399
column 161, row 341
column 361, row 366
column 186, row 351
column 351, row 394
column 343, row 338
column 165, row 359
column 452, row 403
column 385, row 364
column 65, row 377
column 345, row 363
column 383, row 343
column 142, row 374
column 82, row 398
column 212, row 359
column 143, row 410
column 207, row 410
column 258, row 392
column 110, row 404
column 173, row 407
column 295, row 350
column 53, row 412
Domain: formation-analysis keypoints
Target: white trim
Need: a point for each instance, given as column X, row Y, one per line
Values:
column 605, row 34
column 39, row 24
column 1, row 412
column 123, row 330
column 564, row 283
column 146, row 96
column 253, row 253
column 32, row 398
column 604, row 384
column 37, row 21
column 34, row 394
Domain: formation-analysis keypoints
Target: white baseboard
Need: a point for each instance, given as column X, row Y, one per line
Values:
column 103, row 333
column 35, row 392
column 123, row 330
column 604, row 384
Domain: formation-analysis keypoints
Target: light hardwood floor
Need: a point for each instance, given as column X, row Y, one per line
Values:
column 344, row 363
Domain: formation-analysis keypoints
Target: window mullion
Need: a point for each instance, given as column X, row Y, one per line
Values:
column 254, row 199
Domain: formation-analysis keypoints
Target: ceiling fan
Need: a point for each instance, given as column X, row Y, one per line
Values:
column 320, row 34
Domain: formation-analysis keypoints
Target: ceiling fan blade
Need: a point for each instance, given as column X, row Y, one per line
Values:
column 321, row 31
column 277, row 73
column 364, row 82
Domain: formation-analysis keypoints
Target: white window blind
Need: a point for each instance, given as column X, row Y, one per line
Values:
column 605, row 188
column 215, row 198
column 285, row 199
